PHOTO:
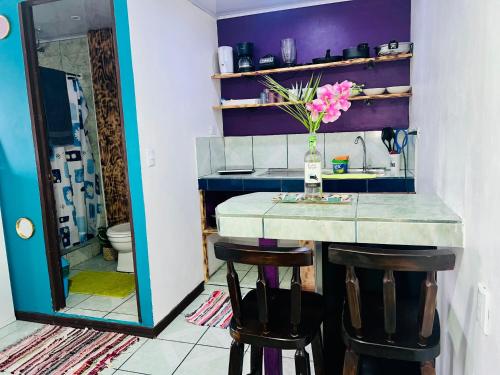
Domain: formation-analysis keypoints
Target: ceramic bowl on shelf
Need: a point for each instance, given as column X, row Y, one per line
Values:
column 374, row 91
column 398, row 89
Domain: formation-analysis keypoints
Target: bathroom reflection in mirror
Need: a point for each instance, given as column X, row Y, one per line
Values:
column 84, row 136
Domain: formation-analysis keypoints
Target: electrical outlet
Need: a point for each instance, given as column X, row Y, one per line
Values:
column 483, row 310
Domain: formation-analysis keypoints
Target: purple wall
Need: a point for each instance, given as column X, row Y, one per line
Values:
column 316, row 29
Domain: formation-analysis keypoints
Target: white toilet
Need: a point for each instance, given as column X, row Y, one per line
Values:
column 120, row 237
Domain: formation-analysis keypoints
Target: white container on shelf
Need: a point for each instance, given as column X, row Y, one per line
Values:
column 226, row 63
column 395, row 164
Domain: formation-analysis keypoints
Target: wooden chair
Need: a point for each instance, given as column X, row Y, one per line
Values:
column 379, row 324
column 272, row 317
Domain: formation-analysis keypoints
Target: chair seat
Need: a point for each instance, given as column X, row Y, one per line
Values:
column 278, row 332
column 405, row 342
column 377, row 366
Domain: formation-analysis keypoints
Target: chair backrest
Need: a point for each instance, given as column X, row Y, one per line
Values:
column 260, row 257
column 391, row 259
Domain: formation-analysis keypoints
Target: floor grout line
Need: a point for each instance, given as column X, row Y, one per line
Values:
column 187, row 355
column 130, row 372
column 134, row 353
column 88, row 296
column 128, row 299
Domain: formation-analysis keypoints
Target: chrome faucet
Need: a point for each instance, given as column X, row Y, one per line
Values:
column 356, row 141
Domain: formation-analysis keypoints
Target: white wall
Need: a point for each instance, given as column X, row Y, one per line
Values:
column 174, row 46
column 455, row 105
column 6, row 305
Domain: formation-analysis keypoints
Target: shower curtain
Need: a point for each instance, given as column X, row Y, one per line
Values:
column 76, row 181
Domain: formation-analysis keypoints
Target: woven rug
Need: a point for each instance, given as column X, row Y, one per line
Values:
column 214, row 312
column 110, row 284
column 58, row 350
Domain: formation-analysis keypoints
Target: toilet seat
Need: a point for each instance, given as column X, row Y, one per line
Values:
column 120, row 231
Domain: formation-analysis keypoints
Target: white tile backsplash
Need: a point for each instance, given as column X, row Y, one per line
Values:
column 377, row 155
column 203, row 156
column 217, row 156
column 287, row 151
column 238, row 152
column 270, row 151
column 297, row 148
column 337, row 144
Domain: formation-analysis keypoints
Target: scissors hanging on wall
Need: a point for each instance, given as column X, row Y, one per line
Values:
column 400, row 140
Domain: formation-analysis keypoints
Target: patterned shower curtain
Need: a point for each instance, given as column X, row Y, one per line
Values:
column 76, row 182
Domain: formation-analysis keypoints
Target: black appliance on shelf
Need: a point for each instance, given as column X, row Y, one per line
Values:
column 327, row 59
column 361, row 51
column 245, row 57
column 268, row 62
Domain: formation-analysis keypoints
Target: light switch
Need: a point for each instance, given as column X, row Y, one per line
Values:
column 483, row 309
column 150, row 158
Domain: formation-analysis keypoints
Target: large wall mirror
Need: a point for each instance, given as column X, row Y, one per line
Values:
column 72, row 58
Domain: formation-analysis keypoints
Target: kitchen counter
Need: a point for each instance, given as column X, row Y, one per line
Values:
column 291, row 180
column 404, row 219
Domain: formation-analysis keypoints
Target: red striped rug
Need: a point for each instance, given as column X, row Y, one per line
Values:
column 214, row 312
column 58, row 350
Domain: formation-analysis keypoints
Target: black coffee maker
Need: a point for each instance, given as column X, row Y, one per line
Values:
column 245, row 57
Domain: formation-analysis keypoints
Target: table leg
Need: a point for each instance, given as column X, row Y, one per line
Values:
column 273, row 364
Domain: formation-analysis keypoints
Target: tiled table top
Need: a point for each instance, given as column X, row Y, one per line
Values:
column 404, row 219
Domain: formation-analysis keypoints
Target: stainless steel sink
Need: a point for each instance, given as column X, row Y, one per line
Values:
column 284, row 172
column 378, row 171
column 281, row 172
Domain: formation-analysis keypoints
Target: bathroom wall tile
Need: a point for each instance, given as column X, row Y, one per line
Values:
column 74, row 45
column 203, row 156
column 50, row 49
column 53, row 62
column 238, row 151
column 376, row 153
column 270, row 151
column 343, row 144
column 217, row 157
column 297, row 147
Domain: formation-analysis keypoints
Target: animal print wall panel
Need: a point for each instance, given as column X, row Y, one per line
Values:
column 111, row 141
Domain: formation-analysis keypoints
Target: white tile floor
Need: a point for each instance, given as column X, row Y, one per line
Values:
column 181, row 349
column 123, row 309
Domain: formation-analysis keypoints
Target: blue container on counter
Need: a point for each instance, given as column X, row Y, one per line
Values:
column 340, row 166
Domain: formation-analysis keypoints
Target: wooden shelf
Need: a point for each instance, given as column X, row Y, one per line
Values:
column 354, row 98
column 303, row 68
column 209, row 231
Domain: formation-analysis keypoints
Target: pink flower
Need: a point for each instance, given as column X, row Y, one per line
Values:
column 344, row 104
column 345, row 88
column 326, row 93
column 331, row 100
column 332, row 114
column 316, row 107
